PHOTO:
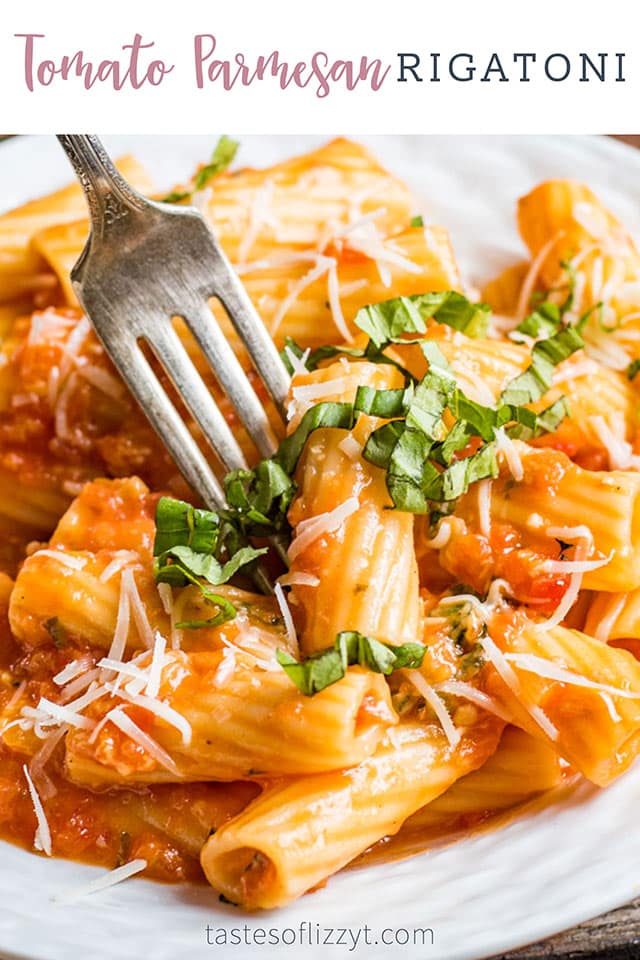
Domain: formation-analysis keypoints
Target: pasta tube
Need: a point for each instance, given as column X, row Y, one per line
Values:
column 556, row 493
column 244, row 722
column 521, row 767
column 297, row 834
column 588, row 691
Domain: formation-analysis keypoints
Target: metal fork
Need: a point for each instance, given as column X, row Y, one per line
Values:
column 144, row 263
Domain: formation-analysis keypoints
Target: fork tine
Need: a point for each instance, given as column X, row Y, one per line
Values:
column 231, row 376
column 250, row 328
column 168, row 347
column 164, row 418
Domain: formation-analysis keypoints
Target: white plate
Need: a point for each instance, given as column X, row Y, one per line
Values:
column 545, row 871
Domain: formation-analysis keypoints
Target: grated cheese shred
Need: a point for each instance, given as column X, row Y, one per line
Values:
column 42, row 838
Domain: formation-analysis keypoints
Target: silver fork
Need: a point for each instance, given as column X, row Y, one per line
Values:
column 144, row 263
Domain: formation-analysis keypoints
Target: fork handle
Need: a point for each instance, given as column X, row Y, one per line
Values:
column 109, row 196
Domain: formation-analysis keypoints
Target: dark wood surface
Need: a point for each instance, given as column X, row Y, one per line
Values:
column 613, row 936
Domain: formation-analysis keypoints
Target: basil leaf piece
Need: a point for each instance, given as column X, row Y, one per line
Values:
column 176, row 196
column 226, row 612
column 545, row 356
column 291, row 347
column 326, row 667
column 456, row 440
column 633, row 369
column 545, row 321
column 456, row 479
column 315, row 674
column 201, row 565
column 386, row 322
column 260, row 497
column 381, row 443
column 417, row 221
column 180, row 524
column 382, row 403
column 545, row 422
column 406, row 472
column 223, row 155
column 327, row 414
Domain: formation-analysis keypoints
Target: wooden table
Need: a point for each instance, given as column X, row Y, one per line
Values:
column 614, row 936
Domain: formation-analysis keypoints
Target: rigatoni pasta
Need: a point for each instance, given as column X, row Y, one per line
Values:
column 450, row 525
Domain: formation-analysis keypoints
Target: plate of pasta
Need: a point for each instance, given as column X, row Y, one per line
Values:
column 424, row 739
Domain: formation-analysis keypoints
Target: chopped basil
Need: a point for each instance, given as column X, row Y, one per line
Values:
column 545, row 422
column 189, row 547
column 328, row 666
column 471, row 663
column 543, row 322
column 180, row 524
column 633, row 369
column 321, row 415
column 385, row 322
column 417, row 447
column 417, row 221
column 290, row 346
column 260, row 498
column 56, row 631
column 382, row 403
column 545, row 356
column 223, row 155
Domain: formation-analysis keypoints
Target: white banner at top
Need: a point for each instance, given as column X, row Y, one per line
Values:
column 351, row 66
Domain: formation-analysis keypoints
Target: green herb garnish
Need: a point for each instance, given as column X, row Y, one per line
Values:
column 192, row 546
column 222, row 156
column 328, row 666
column 56, row 631
column 633, row 369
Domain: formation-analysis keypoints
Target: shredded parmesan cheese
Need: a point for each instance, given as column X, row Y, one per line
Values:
column 550, row 670
column 612, row 437
column 121, row 632
column 122, row 559
column 124, row 722
column 584, row 544
column 299, row 579
column 350, row 447
column 458, row 688
column 309, row 530
column 65, row 559
column 442, row 537
column 71, row 671
column 298, row 364
column 484, row 506
column 333, row 288
column 39, row 760
column 137, row 607
column 529, row 281
column 159, row 708
column 102, row 883
column 509, row 450
column 292, row 636
column 321, row 265
column 66, row 713
column 507, row 674
column 157, row 663
column 42, row 838
column 431, row 697
column 320, row 390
